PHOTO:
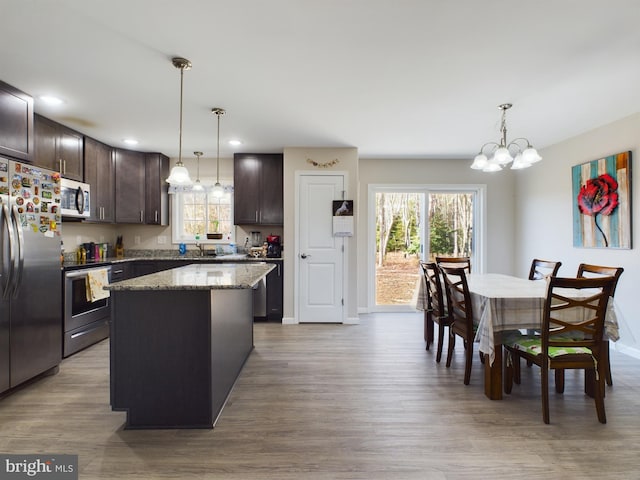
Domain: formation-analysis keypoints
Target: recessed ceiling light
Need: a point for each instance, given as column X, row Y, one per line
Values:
column 130, row 141
column 51, row 100
column 235, row 143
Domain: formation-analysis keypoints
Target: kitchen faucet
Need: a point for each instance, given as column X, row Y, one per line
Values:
column 201, row 248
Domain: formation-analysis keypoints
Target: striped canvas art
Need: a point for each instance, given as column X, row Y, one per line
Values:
column 602, row 202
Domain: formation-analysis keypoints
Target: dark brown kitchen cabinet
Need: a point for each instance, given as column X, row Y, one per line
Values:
column 156, row 210
column 130, row 186
column 100, row 173
column 120, row 271
column 275, row 292
column 59, row 148
column 16, row 123
column 257, row 183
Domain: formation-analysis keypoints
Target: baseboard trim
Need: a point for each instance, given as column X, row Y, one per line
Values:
column 627, row 350
column 289, row 321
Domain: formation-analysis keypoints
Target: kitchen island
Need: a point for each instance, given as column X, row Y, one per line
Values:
column 179, row 339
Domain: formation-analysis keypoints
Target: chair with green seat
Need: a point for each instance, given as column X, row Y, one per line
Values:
column 570, row 337
column 460, row 313
column 540, row 269
column 435, row 307
column 589, row 271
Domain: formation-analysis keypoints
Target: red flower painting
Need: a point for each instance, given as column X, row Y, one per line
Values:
column 599, row 196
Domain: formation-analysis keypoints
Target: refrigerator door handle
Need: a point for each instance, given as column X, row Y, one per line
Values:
column 12, row 259
column 20, row 259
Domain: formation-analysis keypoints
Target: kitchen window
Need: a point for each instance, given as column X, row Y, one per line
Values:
column 196, row 214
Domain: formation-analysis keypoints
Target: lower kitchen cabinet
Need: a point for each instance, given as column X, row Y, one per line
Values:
column 145, row 267
column 120, row 271
column 274, row 293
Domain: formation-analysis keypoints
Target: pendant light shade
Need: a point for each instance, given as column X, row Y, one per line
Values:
column 218, row 191
column 179, row 175
column 197, row 186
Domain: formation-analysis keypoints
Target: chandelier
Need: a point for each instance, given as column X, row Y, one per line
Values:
column 519, row 152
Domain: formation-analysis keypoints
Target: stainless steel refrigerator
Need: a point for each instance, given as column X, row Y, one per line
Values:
column 30, row 272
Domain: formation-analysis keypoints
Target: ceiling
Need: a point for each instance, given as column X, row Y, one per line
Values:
column 394, row 78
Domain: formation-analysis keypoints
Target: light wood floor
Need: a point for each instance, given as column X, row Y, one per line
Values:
column 339, row 402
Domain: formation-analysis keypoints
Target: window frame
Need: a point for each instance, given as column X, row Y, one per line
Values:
column 178, row 234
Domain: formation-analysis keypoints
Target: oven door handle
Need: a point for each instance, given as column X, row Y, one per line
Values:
column 82, row 273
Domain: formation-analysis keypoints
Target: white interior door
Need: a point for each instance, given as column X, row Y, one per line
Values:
column 320, row 254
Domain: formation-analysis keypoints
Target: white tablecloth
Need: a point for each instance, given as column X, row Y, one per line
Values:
column 501, row 303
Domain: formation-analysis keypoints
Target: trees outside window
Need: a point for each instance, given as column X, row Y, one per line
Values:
column 403, row 230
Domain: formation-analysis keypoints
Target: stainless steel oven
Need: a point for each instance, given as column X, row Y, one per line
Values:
column 85, row 322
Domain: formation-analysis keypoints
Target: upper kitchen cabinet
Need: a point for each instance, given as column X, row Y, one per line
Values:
column 257, row 184
column 156, row 211
column 130, row 186
column 16, row 123
column 100, row 173
column 59, row 148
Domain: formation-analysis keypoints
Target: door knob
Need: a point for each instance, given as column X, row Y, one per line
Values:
column 304, row 255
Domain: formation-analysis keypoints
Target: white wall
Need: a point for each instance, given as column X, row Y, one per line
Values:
column 544, row 216
column 500, row 205
column 295, row 160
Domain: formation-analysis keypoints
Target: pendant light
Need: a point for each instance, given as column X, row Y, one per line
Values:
column 218, row 191
column 179, row 174
column 197, row 186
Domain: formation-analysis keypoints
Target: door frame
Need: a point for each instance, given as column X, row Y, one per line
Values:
column 479, row 226
column 345, row 258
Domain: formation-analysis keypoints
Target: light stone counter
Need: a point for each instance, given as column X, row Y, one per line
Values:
column 199, row 277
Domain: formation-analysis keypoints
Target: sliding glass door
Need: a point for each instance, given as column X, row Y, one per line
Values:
column 413, row 224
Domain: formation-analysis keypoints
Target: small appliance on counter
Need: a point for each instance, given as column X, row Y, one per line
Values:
column 274, row 247
column 256, row 239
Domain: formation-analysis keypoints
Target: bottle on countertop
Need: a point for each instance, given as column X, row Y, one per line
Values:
column 119, row 247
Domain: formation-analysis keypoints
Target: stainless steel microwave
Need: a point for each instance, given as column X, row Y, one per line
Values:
column 74, row 199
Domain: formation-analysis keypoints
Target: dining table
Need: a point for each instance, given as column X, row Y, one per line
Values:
column 502, row 304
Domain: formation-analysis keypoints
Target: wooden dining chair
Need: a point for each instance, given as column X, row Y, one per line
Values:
column 541, row 269
column 570, row 337
column 455, row 262
column 426, row 308
column 436, row 309
column 589, row 271
column 460, row 314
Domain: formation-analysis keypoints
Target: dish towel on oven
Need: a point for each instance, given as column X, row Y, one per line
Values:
column 96, row 280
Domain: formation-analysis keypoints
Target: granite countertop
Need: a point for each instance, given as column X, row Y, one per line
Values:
column 139, row 255
column 199, row 277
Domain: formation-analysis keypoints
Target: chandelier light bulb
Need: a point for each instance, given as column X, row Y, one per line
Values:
column 480, row 162
column 530, row 155
column 502, row 156
column 519, row 163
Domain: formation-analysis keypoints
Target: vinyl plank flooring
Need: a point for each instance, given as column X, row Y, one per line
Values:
column 339, row 402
